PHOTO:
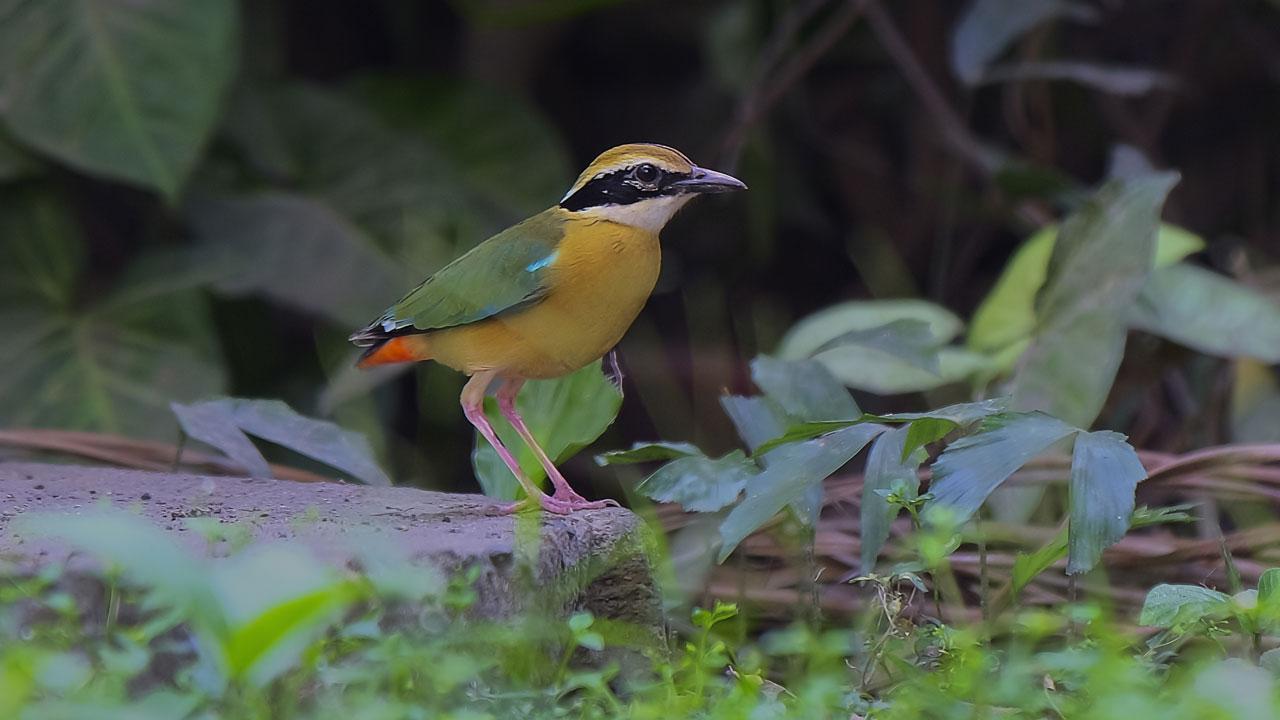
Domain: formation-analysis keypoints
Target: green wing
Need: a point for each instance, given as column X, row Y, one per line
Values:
column 508, row 270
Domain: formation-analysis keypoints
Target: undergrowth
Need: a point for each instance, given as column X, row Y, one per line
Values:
column 270, row 632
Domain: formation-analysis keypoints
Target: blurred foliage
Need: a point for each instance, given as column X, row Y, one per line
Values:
column 269, row 631
column 205, row 200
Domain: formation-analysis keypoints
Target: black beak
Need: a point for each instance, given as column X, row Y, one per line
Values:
column 701, row 180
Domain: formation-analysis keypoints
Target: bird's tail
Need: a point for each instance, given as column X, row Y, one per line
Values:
column 403, row 348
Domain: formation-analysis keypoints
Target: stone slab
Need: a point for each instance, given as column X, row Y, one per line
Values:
column 594, row 560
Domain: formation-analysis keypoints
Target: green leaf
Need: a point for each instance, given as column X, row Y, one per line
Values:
column 1007, row 315
column 42, row 254
column 757, row 419
column 14, row 162
column 925, row 427
column 803, row 389
column 1168, row 606
column 1099, row 265
column 565, row 415
column 791, row 471
column 642, row 452
column 989, row 27
column 1210, row 313
column 278, row 601
column 126, row 89
column 298, row 251
column 908, row 341
column 483, row 134
column 392, row 189
column 1268, row 611
column 111, row 363
column 699, row 483
column 813, row 332
column 874, row 371
column 972, row 467
column 225, row 422
column 888, row 465
column 884, row 346
column 1105, row 472
column 1028, row 567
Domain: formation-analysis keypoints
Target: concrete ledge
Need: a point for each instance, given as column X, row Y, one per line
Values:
column 594, row 560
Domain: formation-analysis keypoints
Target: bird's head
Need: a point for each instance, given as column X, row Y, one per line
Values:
column 642, row 185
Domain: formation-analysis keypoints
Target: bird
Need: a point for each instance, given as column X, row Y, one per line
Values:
column 547, row 296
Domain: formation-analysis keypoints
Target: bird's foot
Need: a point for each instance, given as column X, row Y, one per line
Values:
column 560, row 505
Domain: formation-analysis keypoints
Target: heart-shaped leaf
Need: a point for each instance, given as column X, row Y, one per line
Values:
column 130, row 89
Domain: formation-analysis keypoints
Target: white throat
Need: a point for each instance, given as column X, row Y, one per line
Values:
column 651, row 214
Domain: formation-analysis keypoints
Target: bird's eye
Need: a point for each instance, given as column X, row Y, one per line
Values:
column 646, row 173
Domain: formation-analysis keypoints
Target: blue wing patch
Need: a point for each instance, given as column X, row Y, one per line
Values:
column 537, row 265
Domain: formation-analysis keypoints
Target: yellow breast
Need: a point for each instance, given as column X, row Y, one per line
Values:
column 601, row 277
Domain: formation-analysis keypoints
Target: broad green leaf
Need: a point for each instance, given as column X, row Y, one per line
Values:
column 14, row 162
column 129, row 89
column 989, row 27
column 1007, row 315
column 813, row 332
column 497, row 143
column 758, row 420
column 648, row 452
column 398, row 190
column 908, row 341
column 1100, row 262
column 80, row 361
column 1105, row 472
column 803, row 388
column 278, row 601
column 973, row 466
column 699, row 483
column 297, row 251
column 888, row 465
column 872, row 370
column 564, row 415
column 42, row 254
column 791, row 471
column 1168, row 606
column 1209, row 312
column 224, row 424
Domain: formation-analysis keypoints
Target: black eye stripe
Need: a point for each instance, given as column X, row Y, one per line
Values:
column 622, row 187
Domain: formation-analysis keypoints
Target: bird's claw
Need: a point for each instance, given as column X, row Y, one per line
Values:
column 557, row 505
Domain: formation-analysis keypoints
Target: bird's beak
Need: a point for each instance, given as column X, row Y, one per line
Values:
column 702, row 180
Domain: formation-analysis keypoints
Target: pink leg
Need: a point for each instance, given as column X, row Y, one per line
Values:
column 563, row 492
column 473, row 409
